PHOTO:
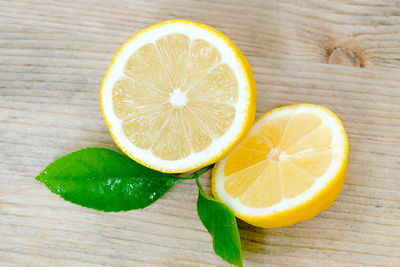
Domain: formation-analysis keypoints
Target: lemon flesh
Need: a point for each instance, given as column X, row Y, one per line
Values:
column 182, row 89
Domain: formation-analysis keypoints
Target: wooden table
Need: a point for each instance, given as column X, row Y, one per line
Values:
column 342, row 54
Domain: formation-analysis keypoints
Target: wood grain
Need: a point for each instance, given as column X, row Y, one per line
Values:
column 53, row 55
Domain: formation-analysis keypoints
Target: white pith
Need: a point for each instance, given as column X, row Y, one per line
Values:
column 218, row 145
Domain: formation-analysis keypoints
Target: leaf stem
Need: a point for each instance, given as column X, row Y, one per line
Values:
column 197, row 173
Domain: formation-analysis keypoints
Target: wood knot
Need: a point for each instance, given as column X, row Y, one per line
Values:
column 344, row 56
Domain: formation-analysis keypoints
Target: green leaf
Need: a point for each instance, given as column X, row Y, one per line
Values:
column 103, row 179
column 221, row 224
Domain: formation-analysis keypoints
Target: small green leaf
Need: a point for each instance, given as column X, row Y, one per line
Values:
column 106, row 180
column 221, row 224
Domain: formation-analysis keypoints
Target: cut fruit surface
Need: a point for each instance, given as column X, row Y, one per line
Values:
column 178, row 96
column 290, row 166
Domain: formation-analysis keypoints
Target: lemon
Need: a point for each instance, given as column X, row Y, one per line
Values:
column 178, row 96
column 291, row 166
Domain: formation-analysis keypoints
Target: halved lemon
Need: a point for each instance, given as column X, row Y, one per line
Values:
column 290, row 166
column 178, row 96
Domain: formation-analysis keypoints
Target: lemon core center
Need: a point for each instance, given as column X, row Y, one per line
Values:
column 275, row 154
column 178, row 98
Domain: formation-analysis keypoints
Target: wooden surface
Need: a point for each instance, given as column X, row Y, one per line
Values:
column 342, row 54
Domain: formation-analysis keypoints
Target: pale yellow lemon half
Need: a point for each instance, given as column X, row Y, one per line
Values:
column 290, row 166
column 178, row 96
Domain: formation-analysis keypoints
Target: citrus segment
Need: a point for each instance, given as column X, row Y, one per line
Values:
column 237, row 186
column 203, row 56
column 294, row 180
column 317, row 140
column 315, row 163
column 299, row 126
column 273, row 130
column 145, row 67
column 255, row 197
column 173, row 51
